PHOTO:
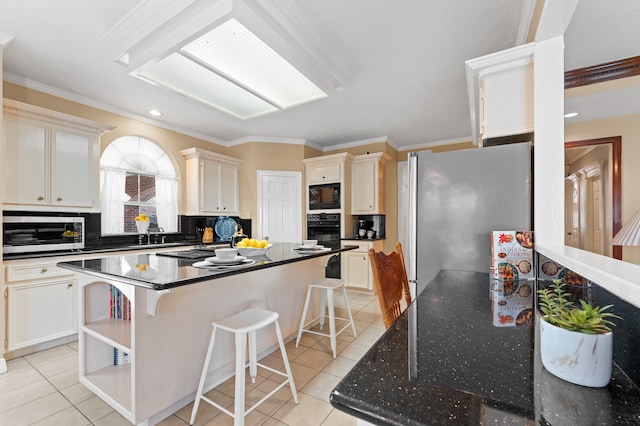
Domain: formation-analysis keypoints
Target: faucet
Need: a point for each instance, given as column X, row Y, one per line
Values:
column 155, row 237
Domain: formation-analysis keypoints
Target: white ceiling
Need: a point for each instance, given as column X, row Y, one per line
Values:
column 402, row 63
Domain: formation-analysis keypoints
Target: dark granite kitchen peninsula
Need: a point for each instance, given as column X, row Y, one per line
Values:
column 444, row 362
column 161, row 272
column 156, row 312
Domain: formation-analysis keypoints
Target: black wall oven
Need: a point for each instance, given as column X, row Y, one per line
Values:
column 324, row 227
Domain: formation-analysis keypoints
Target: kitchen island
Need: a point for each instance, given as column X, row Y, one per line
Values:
column 145, row 321
column 445, row 362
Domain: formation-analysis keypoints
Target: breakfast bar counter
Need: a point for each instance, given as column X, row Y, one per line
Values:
column 161, row 272
column 446, row 361
column 145, row 321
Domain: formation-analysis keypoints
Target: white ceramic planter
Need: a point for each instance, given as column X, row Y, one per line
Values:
column 583, row 359
column 142, row 226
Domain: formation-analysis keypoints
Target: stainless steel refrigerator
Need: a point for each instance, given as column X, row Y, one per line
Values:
column 457, row 198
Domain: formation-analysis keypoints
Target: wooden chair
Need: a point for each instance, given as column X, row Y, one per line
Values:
column 391, row 282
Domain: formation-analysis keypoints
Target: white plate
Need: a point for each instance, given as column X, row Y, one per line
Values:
column 216, row 261
column 208, row 265
column 316, row 247
column 310, row 251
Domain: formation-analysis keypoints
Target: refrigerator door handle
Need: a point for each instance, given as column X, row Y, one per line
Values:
column 413, row 209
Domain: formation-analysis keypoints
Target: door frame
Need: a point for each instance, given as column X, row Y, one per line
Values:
column 616, row 181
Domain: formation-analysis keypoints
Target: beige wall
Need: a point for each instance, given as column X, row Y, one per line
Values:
column 263, row 156
column 629, row 128
column 172, row 142
column 254, row 155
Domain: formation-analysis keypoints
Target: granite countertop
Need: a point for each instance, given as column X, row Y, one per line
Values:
column 444, row 362
column 106, row 248
column 161, row 272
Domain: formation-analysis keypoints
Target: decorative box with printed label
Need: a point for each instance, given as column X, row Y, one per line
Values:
column 512, row 255
column 511, row 302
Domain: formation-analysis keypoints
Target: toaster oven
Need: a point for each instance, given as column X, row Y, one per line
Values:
column 24, row 234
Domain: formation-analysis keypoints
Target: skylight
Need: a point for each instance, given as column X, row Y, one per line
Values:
column 231, row 69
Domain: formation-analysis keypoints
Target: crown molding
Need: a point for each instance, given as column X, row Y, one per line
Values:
column 437, row 143
column 5, row 39
column 34, row 85
column 265, row 139
column 362, row 142
column 600, row 73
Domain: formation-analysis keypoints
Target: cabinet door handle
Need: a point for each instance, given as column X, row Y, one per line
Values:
column 44, row 270
column 59, row 199
column 69, row 285
column 40, row 198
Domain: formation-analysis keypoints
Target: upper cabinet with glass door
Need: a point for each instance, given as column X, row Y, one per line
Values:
column 50, row 160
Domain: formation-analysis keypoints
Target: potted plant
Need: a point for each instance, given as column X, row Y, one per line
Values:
column 576, row 342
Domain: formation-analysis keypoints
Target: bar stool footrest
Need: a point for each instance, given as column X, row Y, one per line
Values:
column 319, row 333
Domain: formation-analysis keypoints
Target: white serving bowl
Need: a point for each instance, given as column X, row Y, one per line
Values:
column 309, row 243
column 252, row 251
column 226, row 253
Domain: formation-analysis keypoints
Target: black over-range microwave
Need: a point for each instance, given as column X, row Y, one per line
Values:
column 324, row 196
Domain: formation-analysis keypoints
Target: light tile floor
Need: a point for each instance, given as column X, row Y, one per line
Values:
column 43, row 388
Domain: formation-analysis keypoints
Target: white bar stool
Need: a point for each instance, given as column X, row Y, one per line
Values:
column 243, row 324
column 326, row 286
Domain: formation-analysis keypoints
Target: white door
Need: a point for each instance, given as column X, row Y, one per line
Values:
column 597, row 230
column 280, row 206
column 572, row 213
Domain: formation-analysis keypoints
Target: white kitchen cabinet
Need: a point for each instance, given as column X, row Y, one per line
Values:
column 331, row 169
column 367, row 183
column 41, row 303
column 324, row 172
column 328, row 168
column 212, row 184
column 51, row 160
column 500, row 87
column 356, row 267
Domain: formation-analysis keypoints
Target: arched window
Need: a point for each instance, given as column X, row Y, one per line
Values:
column 137, row 176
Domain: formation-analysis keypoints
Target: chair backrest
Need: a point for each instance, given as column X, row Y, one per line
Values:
column 391, row 282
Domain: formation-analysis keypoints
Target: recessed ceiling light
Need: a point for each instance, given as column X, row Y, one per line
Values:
column 155, row 112
column 570, row 114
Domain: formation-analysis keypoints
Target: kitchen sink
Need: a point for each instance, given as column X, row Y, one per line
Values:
column 158, row 245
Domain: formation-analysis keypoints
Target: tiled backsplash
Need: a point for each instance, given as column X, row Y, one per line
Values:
column 626, row 333
column 94, row 238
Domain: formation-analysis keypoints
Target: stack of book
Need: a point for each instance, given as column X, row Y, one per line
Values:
column 120, row 309
column 120, row 305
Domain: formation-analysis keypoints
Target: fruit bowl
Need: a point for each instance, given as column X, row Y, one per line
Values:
column 253, row 251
